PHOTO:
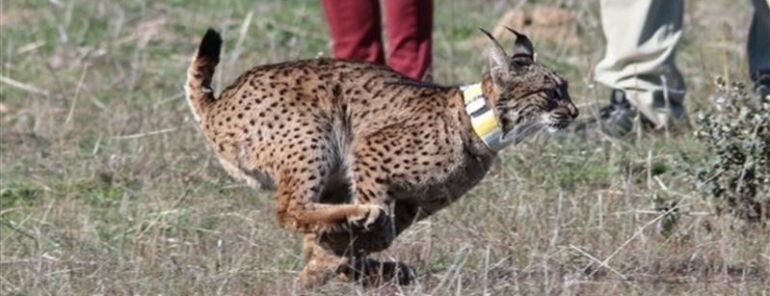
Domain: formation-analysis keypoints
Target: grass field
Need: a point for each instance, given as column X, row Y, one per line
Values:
column 107, row 186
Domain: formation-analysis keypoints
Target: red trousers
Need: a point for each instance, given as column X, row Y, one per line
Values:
column 356, row 31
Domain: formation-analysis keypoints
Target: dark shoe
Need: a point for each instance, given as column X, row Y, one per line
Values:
column 762, row 85
column 615, row 119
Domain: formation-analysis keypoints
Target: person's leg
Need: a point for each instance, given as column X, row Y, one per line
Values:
column 759, row 47
column 355, row 29
column 409, row 24
column 639, row 58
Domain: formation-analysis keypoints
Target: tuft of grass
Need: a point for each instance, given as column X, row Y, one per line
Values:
column 13, row 195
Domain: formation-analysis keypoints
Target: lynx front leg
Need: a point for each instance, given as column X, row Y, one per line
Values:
column 371, row 191
column 300, row 185
column 370, row 180
column 298, row 211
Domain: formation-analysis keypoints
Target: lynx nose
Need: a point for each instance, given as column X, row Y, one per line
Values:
column 566, row 110
column 572, row 110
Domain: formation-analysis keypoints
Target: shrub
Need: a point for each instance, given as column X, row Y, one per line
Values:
column 735, row 129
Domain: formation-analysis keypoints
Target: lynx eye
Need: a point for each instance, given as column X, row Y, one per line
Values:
column 556, row 94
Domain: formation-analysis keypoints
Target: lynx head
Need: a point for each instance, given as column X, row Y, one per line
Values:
column 530, row 96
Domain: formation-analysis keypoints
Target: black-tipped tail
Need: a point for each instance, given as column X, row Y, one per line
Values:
column 211, row 45
column 199, row 92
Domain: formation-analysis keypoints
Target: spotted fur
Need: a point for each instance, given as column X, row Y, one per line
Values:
column 356, row 152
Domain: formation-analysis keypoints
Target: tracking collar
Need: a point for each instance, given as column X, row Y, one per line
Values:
column 483, row 117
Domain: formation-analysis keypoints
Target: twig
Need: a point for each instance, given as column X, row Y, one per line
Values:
column 637, row 233
column 459, row 260
column 667, row 101
column 485, row 278
column 7, row 282
column 18, row 230
column 602, row 263
column 168, row 99
column 660, row 183
column 77, row 93
column 241, row 36
column 653, row 212
column 96, row 145
column 30, row 47
column 23, row 86
column 139, row 135
column 293, row 30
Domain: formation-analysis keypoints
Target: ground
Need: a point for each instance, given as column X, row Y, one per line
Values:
column 108, row 188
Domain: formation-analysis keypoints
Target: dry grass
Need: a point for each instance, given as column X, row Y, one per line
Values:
column 107, row 186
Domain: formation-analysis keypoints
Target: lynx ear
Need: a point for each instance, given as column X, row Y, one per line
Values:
column 498, row 59
column 523, row 46
column 523, row 51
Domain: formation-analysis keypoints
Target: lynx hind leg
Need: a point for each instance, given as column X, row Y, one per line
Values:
column 321, row 265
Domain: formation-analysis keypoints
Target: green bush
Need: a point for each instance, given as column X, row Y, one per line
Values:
column 736, row 131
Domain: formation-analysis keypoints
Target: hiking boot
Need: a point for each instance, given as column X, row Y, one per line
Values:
column 615, row 119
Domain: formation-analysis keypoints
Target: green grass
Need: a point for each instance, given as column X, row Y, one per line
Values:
column 107, row 186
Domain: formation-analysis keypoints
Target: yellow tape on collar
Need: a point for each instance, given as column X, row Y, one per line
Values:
column 483, row 117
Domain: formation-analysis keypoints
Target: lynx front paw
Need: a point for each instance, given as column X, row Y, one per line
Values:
column 367, row 217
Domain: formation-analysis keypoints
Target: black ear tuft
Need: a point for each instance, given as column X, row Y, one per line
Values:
column 523, row 46
column 494, row 41
column 487, row 33
column 498, row 59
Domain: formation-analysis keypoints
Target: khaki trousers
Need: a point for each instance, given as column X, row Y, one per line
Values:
column 641, row 42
